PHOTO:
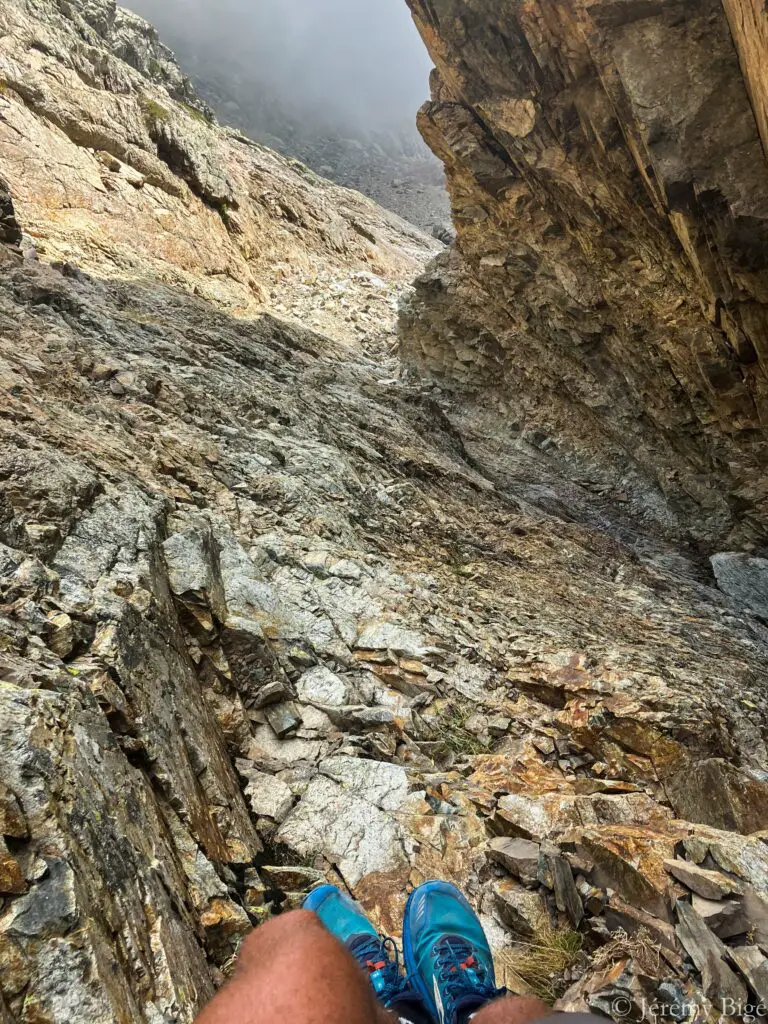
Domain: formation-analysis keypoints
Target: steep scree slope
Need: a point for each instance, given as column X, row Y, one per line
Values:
column 263, row 621
column 609, row 285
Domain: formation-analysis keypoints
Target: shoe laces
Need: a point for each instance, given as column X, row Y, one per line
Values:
column 379, row 956
column 460, row 973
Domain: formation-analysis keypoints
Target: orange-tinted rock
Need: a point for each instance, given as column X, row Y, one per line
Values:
column 630, row 860
column 11, row 876
column 12, row 822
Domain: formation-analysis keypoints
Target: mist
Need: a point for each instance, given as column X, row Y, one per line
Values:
column 358, row 63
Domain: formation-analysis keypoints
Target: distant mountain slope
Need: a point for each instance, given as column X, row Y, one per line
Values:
column 351, row 139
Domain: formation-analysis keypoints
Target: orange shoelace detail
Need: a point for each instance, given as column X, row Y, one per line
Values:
column 469, row 962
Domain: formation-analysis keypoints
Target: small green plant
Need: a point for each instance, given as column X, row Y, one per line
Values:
column 194, row 112
column 153, row 111
column 542, row 963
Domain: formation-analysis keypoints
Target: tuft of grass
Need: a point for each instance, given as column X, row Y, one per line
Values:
column 454, row 733
column 639, row 947
column 153, row 111
column 542, row 963
column 194, row 112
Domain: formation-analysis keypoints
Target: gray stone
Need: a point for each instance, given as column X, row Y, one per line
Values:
column 537, row 817
column 50, row 907
column 709, row 954
column 381, row 635
column 321, row 686
column 756, row 909
column 267, row 796
column 522, row 911
column 744, row 578
column 711, row 885
column 283, row 718
column 753, row 964
column 726, row 918
column 499, row 725
column 371, row 718
column 567, row 896
column 519, row 856
column 347, row 815
column 275, row 692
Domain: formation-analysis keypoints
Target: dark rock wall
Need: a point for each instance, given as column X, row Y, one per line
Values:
column 10, row 232
column 609, row 282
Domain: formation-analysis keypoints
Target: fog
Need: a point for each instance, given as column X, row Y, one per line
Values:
column 354, row 62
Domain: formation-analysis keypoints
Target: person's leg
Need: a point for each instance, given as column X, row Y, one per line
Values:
column 376, row 954
column 512, row 1010
column 293, row 971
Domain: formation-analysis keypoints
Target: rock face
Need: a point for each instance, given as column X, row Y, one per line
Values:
column 608, row 287
column 261, row 604
column 743, row 578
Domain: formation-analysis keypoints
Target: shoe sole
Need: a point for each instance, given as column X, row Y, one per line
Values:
column 413, row 976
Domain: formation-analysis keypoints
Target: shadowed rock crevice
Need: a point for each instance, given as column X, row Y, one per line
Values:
column 610, row 194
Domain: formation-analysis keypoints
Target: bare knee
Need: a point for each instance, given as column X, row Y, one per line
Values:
column 291, row 931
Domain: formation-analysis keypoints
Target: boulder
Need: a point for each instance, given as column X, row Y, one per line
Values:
column 283, row 718
column 628, row 860
column 726, row 918
column 268, row 796
column 711, row 885
column 567, row 897
column 347, row 814
column 519, row 856
column 753, row 964
column 319, row 685
column 714, row 792
column 536, row 817
column 522, row 911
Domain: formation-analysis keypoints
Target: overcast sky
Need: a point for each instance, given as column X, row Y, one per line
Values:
column 363, row 58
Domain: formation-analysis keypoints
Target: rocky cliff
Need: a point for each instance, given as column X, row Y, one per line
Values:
column 608, row 289
column 267, row 616
column 250, row 66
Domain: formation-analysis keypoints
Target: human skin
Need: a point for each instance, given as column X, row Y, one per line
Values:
column 293, row 971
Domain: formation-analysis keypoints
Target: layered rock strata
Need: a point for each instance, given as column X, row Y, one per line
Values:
column 608, row 288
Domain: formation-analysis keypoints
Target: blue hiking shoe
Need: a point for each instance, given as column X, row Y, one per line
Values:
column 377, row 955
column 447, row 956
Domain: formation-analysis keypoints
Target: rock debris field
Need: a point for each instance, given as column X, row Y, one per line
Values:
column 276, row 610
